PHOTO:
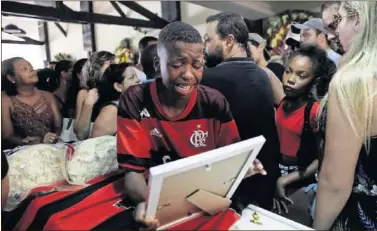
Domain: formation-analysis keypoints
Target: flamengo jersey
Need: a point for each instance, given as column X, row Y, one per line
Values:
column 147, row 138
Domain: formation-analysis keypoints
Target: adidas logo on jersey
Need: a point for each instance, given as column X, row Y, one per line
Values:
column 144, row 113
column 155, row 132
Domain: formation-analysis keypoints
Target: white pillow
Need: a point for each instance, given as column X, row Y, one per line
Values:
column 93, row 157
column 31, row 167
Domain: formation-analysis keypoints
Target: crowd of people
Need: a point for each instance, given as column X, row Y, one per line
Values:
column 317, row 110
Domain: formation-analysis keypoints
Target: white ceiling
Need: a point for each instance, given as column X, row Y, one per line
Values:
column 254, row 10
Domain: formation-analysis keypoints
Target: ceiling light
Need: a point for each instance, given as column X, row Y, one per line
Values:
column 14, row 30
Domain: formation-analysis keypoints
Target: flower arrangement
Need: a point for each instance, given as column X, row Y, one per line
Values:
column 278, row 26
column 124, row 53
column 63, row 56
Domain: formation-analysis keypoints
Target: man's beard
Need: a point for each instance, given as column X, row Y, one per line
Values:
column 214, row 58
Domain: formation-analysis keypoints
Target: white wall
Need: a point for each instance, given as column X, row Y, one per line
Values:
column 108, row 37
column 72, row 44
column 196, row 15
column 33, row 53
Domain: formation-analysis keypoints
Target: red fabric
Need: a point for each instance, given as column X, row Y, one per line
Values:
column 91, row 211
column 290, row 125
column 29, row 214
column 146, row 137
column 222, row 221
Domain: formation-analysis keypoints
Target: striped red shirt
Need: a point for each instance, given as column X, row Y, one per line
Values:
column 147, row 138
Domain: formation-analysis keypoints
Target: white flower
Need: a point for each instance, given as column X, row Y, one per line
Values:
column 374, row 190
column 361, row 189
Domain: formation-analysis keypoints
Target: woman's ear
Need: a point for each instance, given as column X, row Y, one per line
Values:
column 118, row 87
column 156, row 64
column 11, row 79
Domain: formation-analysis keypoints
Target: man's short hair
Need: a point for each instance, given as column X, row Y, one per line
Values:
column 328, row 4
column 179, row 32
column 147, row 60
column 230, row 23
column 143, row 43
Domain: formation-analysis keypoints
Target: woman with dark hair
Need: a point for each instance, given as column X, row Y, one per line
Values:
column 116, row 79
column 29, row 116
column 306, row 79
column 74, row 87
column 61, row 83
column 88, row 96
column 44, row 79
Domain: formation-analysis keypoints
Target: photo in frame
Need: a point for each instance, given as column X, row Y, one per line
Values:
column 183, row 189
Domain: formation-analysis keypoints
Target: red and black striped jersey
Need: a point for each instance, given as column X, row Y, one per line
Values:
column 146, row 137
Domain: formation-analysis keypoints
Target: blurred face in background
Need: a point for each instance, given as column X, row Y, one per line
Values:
column 256, row 50
column 328, row 20
column 214, row 45
column 308, row 37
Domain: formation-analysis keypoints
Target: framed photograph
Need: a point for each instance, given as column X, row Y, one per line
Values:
column 217, row 173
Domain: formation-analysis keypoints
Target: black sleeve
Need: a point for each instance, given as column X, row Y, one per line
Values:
column 278, row 69
column 4, row 166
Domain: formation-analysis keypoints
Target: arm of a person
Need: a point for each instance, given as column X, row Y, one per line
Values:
column 301, row 175
column 57, row 129
column 7, row 132
column 133, row 149
column 276, row 85
column 4, row 191
column 84, row 111
column 106, row 122
column 336, row 178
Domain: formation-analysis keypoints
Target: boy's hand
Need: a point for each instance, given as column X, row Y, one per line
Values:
column 257, row 168
column 139, row 215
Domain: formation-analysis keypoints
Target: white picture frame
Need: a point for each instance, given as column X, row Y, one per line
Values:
column 212, row 167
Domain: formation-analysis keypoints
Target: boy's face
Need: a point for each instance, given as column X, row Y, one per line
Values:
column 181, row 66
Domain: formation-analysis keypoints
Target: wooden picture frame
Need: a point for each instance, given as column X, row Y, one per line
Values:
column 180, row 190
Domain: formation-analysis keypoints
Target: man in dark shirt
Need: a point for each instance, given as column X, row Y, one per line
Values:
column 248, row 91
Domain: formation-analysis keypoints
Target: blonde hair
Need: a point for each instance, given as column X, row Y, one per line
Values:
column 355, row 81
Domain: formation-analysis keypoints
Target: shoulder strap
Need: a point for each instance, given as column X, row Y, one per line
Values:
column 307, row 152
column 115, row 104
column 308, row 109
column 56, row 97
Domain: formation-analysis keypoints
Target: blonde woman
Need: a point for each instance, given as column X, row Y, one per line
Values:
column 347, row 188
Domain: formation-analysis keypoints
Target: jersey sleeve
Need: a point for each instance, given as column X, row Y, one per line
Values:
column 227, row 132
column 314, row 122
column 133, row 142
